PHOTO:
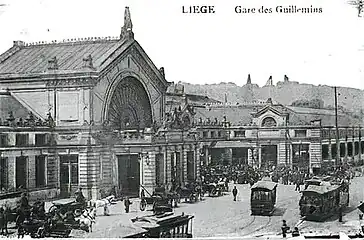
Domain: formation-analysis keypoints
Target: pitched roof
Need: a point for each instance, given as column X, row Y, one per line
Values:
column 300, row 116
column 27, row 58
column 235, row 115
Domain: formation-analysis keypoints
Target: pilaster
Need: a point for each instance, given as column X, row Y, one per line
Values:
column 31, row 171
column 11, row 173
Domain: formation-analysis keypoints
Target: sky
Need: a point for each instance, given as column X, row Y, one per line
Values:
column 316, row 49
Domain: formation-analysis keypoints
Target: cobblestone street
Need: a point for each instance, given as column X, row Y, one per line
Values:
column 221, row 216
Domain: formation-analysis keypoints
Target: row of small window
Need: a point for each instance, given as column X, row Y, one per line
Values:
column 213, row 134
column 241, row 133
column 22, row 173
column 351, row 150
column 349, row 132
column 22, row 139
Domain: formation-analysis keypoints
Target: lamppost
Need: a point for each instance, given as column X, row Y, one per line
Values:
column 337, row 159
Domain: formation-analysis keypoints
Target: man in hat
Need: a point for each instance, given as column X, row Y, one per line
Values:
column 127, row 204
column 285, row 228
column 235, row 193
column 79, row 196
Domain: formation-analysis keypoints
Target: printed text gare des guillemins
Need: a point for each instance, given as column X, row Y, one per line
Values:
column 210, row 9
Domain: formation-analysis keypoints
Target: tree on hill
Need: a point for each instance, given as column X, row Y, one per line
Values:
column 314, row 103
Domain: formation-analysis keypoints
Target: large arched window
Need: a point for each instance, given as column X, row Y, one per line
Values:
column 269, row 122
column 129, row 106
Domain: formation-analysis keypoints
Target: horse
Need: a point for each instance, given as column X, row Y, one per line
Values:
column 86, row 221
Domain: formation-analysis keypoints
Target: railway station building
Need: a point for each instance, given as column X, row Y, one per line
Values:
column 97, row 113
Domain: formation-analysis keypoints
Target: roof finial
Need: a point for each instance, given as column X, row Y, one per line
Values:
column 269, row 82
column 249, row 81
column 127, row 29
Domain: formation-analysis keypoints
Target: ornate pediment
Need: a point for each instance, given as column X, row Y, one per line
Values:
column 180, row 118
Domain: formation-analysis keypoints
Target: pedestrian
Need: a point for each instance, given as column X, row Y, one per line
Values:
column 127, row 203
column 295, row 232
column 142, row 194
column 298, row 188
column 285, row 228
column 340, row 214
column 106, row 210
column 235, row 193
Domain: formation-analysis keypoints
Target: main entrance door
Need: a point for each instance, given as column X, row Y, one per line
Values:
column 269, row 156
column 129, row 178
column 68, row 174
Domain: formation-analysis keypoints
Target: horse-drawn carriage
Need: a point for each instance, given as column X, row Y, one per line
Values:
column 161, row 200
column 190, row 192
column 213, row 189
column 44, row 228
column 68, row 205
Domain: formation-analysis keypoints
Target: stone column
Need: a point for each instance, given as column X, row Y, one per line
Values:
column 330, row 152
column 207, row 156
column 229, row 155
column 259, row 156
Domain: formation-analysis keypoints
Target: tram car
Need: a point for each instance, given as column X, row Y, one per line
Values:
column 323, row 200
column 263, row 197
column 168, row 226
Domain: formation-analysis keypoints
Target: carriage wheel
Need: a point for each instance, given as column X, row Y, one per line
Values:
column 191, row 197
column 143, row 205
column 52, row 209
column 213, row 192
column 77, row 212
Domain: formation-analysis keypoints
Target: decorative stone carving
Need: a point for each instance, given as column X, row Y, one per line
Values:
column 53, row 64
column 89, row 82
column 68, row 137
column 269, row 122
column 87, row 62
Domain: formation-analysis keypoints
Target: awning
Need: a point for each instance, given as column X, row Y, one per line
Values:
column 233, row 144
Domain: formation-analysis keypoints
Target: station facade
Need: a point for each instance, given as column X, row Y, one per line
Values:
column 91, row 113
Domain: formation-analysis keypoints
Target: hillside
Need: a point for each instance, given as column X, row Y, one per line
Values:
column 285, row 93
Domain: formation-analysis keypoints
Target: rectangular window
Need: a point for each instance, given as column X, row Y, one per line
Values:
column 325, row 151
column 342, row 149
column 159, row 168
column 350, row 149
column 219, row 134
column 239, row 133
column 300, row 133
column 4, row 140
column 333, row 150
column 4, row 174
column 356, row 148
column 21, row 175
column 212, row 134
column 40, row 139
column 190, row 166
column 22, row 140
column 204, row 134
column 40, row 171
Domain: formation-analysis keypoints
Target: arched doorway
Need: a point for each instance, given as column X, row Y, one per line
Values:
column 129, row 107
